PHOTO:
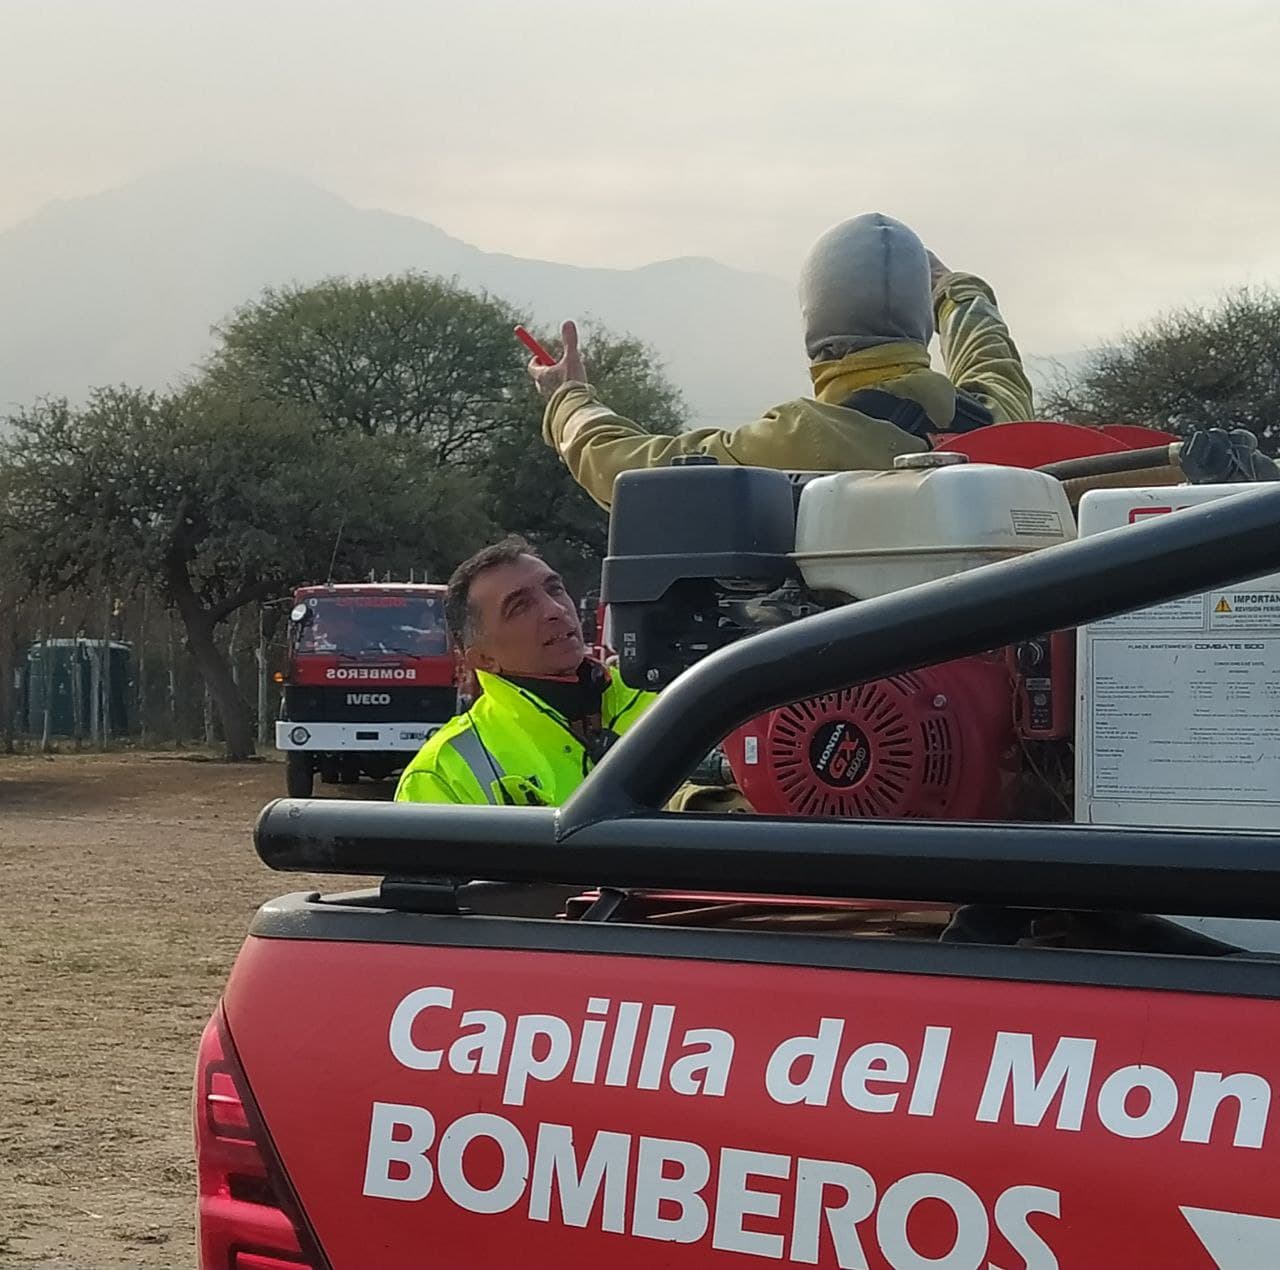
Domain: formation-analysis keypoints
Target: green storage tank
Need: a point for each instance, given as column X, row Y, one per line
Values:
column 51, row 665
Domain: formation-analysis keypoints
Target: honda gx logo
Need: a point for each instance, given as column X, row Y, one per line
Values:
column 368, row 698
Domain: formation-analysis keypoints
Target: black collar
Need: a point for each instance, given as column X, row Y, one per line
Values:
column 578, row 699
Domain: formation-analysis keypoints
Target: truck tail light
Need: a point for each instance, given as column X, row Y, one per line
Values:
column 248, row 1215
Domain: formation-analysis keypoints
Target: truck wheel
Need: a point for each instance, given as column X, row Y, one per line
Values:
column 299, row 775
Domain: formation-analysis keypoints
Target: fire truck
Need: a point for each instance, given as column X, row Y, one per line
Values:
column 371, row 675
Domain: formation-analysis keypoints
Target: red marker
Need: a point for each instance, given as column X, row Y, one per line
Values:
column 540, row 354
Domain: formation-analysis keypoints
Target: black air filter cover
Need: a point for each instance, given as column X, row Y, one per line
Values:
column 703, row 520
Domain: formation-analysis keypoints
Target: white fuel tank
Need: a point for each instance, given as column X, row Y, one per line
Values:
column 870, row 533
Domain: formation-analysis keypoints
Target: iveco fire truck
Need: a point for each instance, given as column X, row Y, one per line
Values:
column 371, row 675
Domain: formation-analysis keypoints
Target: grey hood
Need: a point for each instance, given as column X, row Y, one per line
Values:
column 865, row 282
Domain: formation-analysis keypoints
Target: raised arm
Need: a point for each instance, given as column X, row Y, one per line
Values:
column 596, row 444
column 977, row 349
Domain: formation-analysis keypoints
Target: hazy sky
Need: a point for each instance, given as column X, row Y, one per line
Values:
column 1097, row 163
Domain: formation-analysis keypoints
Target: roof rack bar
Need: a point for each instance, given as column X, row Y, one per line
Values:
column 1228, row 540
column 1034, row 866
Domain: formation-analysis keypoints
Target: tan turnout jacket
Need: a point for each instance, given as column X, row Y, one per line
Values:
column 817, row 434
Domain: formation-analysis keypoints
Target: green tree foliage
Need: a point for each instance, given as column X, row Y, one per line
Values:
column 219, row 501
column 415, row 357
column 409, row 355
column 1192, row 368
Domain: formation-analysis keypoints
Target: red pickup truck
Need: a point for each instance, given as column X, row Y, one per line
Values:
column 602, row 1034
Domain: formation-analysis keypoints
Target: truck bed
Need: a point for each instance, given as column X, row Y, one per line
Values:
column 492, row 1091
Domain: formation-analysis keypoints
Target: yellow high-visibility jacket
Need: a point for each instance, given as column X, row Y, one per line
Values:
column 510, row 748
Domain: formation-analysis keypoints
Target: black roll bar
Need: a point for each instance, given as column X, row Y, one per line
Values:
column 1063, row 866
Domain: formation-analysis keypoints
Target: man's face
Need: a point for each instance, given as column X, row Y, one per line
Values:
column 526, row 623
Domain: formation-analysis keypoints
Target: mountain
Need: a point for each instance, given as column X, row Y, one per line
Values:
column 123, row 287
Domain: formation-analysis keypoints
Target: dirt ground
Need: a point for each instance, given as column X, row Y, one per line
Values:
column 126, row 886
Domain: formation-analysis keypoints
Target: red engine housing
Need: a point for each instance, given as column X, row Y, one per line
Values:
column 936, row 744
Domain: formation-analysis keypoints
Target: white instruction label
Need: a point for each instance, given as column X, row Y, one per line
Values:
column 1185, row 721
column 1178, row 705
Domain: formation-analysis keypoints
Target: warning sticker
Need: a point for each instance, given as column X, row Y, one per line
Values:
column 1245, row 610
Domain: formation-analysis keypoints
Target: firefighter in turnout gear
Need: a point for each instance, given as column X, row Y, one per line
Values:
column 872, row 297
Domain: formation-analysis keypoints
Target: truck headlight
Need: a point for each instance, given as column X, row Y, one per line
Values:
column 299, row 736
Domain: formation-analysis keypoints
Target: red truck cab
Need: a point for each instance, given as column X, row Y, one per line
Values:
column 371, row 675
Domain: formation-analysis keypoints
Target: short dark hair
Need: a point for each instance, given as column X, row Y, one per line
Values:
column 457, row 604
